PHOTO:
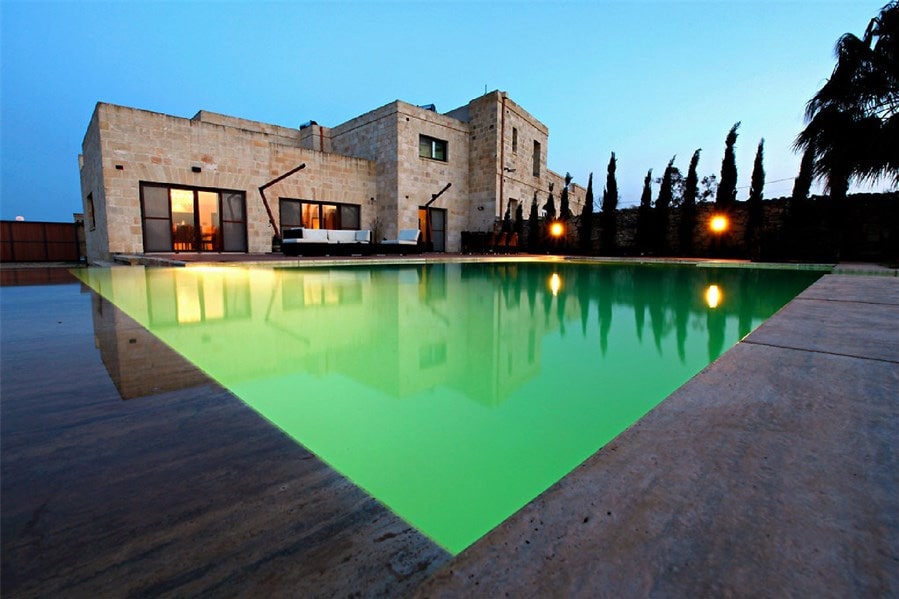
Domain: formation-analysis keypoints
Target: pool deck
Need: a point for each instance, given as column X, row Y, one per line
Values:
column 774, row 471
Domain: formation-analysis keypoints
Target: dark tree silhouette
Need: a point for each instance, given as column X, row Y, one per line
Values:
column 644, row 216
column 534, row 226
column 727, row 187
column 507, row 219
column 798, row 205
column 688, row 207
column 853, row 121
column 803, row 183
column 564, row 209
column 663, row 203
column 550, row 206
column 519, row 221
column 585, row 232
column 754, row 208
column 610, row 209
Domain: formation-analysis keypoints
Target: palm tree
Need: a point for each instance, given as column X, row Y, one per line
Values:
column 852, row 125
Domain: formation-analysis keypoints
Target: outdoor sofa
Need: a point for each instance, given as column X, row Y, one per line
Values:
column 302, row 241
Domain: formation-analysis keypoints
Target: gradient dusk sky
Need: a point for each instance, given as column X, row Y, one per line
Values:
column 647, row 80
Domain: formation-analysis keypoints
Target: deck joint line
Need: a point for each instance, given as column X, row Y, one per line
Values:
column 819, row 351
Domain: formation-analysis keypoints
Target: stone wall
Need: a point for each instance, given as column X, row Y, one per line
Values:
column 125, row 146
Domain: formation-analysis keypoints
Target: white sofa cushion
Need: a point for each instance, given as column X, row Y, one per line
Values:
column 315, row 235
column 408, row 236
column 341, row 236
column 363, row 236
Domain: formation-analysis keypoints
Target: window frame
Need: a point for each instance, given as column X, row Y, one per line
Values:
column 338, row 206
column 432, row 144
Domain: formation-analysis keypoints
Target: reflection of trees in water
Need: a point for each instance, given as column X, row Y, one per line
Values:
column 673, row 296
column 714, row 322
column 682, row 304
column 604, row 307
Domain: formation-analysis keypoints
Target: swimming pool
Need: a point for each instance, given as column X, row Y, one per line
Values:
column 453, row 393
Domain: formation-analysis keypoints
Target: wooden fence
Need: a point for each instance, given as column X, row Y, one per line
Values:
column 39, row 241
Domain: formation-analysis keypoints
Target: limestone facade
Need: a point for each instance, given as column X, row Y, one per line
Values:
column 491, row 151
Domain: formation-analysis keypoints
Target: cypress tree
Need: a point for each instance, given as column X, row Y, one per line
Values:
column 644, row 216
column 756, row 191
column 727, row 187
column 609, row 208
column 534, row 226
column 550, row 206
column 666, row 193
column 519, row 221
column 564, row 210
column 688, row 207
column 586, row 224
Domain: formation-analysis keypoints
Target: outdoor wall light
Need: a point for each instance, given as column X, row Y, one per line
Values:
column 713, row 296
column 556, row 229
column 719, row 223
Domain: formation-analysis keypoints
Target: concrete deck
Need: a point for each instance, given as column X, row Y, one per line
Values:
column 772, row 472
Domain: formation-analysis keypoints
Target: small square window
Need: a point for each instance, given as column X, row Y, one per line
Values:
column 433, row 148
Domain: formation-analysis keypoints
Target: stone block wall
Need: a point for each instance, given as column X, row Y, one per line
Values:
column 132, row 146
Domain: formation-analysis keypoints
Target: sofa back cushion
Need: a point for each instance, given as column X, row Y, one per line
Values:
column 316, row 235
column 408, row 235
column 341, row 236
column 363, row 236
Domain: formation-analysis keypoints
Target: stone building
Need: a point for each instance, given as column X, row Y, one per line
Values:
column 157, row 183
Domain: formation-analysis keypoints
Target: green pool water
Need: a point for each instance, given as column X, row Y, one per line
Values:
column 453, row 393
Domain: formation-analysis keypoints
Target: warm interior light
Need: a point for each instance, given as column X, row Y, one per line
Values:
column 713, row 296
column 555, row 283
column 556, row 229
column 719, row 223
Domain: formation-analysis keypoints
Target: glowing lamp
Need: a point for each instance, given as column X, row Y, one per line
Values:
column 556, row 229
column 713, row 296
column 719, row 223
column 555, row 283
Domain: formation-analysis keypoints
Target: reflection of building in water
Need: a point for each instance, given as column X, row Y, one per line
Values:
column 408, row 330
column 478, row 329
column 138, row 363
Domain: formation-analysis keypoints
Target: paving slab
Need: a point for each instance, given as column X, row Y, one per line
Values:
column 773, row 472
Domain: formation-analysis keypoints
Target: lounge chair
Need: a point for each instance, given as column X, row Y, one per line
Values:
column 405, row 237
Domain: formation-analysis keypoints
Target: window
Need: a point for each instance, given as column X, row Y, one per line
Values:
column 536, row 158
column 192, row 219
column 514, row 140
column 430, row 147
column 318, row 215
column 91, row 220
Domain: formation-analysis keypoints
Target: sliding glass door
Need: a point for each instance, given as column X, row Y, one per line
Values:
column 183, row 219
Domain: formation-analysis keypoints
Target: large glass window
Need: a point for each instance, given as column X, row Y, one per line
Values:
column 192, row 219
column 431, row 147
column 318, row 215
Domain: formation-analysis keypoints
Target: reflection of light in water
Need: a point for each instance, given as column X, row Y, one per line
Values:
column 555, row 283
column 713, row 296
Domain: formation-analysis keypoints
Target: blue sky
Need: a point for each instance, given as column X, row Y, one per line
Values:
column 647, row 80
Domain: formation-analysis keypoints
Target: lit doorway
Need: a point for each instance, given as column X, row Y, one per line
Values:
column 432, row 224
